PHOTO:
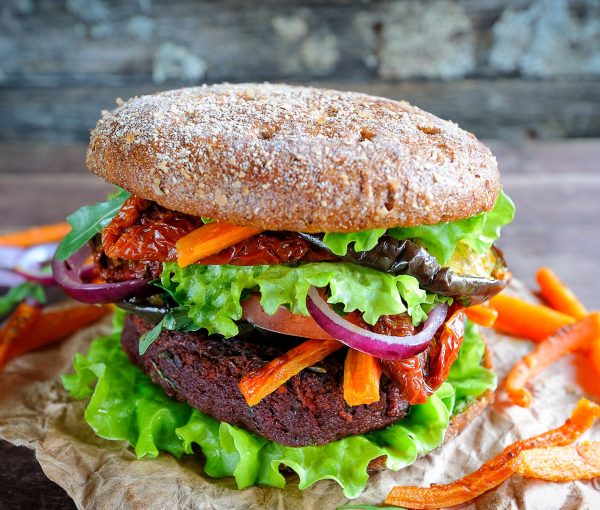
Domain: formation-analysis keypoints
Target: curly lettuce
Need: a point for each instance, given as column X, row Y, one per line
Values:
column 124, row 405
column 212, row 295
column 478, row 232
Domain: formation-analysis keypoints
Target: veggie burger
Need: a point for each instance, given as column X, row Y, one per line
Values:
column 292, row 269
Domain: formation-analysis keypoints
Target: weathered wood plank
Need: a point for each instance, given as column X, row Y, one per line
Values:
column 24, row 484
column 38, row 199
column 509, row 109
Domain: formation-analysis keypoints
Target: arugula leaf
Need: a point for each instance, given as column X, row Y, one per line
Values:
column 19, row 293
column 88, row 221
column 176, row 320
column 479, row 232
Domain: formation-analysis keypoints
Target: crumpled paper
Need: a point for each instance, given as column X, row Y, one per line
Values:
column 35, row 411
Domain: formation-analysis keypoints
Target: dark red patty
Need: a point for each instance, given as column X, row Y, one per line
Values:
column 309, row 409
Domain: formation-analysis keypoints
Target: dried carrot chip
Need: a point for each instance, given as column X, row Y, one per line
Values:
column 22, row 320
column 54, row 325
column 526, row 320
column 558, row 295
column 483, row 315
column 496, row 470
column 571, row 338
column 559, row 463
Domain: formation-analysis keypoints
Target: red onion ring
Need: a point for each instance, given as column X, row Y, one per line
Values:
column 68, row 275
column 10, row 278
column 381, row 346
column 28, row 263
column 10, row 256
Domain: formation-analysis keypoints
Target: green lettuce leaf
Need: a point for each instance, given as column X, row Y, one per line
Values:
column 125, row 405
column 212, row 294
column 363, row 241
column 479, row 232
column 88, row 221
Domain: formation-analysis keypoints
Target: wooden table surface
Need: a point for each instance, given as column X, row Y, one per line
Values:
column 555, row 185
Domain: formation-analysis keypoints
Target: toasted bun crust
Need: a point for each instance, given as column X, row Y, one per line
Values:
column 280, row 157
column 459, row 421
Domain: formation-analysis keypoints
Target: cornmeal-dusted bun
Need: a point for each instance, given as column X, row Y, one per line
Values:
column 280, row 157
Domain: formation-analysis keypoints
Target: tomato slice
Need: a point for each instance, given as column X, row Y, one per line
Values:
column 283, row 321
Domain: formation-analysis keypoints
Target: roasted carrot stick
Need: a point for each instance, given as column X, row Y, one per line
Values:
column 483, row 315
column 558, row 295
column 361, row 378
column 260, row 383
column 22, row 320
column 496, row 470
column 209, row 240
column 526, row 320
column 36, row 235
column 571, row 338
column 54, row 325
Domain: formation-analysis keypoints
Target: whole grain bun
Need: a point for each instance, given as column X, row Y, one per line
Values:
column 280, row 157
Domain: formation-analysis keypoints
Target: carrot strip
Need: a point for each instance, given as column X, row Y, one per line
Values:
column 18, row 324
column 559, row 463
column 558, row 295
column 571, row 338
column 496, row 470
column 595, row 355
column 36, row 235
column 527, row 320
column 483, row 315
column 258, row 384
column 361, row 378
column 54, row 325
column 209, row 240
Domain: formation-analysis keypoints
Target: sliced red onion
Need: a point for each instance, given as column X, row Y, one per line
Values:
column 88, row 272
column 10, row 278
column 29, row 263
column 10, row 256
column 381, row 346
column 68, row 274
column 41, row 278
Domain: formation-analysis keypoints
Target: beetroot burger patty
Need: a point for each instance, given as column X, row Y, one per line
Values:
column 309, row 409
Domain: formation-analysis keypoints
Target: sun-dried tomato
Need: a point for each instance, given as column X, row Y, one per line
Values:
column 444, row 348
column 143, row 230
column 269, row 248
column 419, row 376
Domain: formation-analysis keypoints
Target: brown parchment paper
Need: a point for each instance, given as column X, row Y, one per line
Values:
column 36, row 412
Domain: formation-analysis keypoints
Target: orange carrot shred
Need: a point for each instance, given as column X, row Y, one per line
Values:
column 483, row 315
column 36, row 235
column 569, row 339
column 210, row 239
column 54, row 325
column 17, row 325
column 558, row 295
column 258, row 384
column 595, row 355
column 559, row 463
column 496, row 470
column 526, row 320
column 361, row 378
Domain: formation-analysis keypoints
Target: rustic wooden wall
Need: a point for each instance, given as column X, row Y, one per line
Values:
column 503, row 69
